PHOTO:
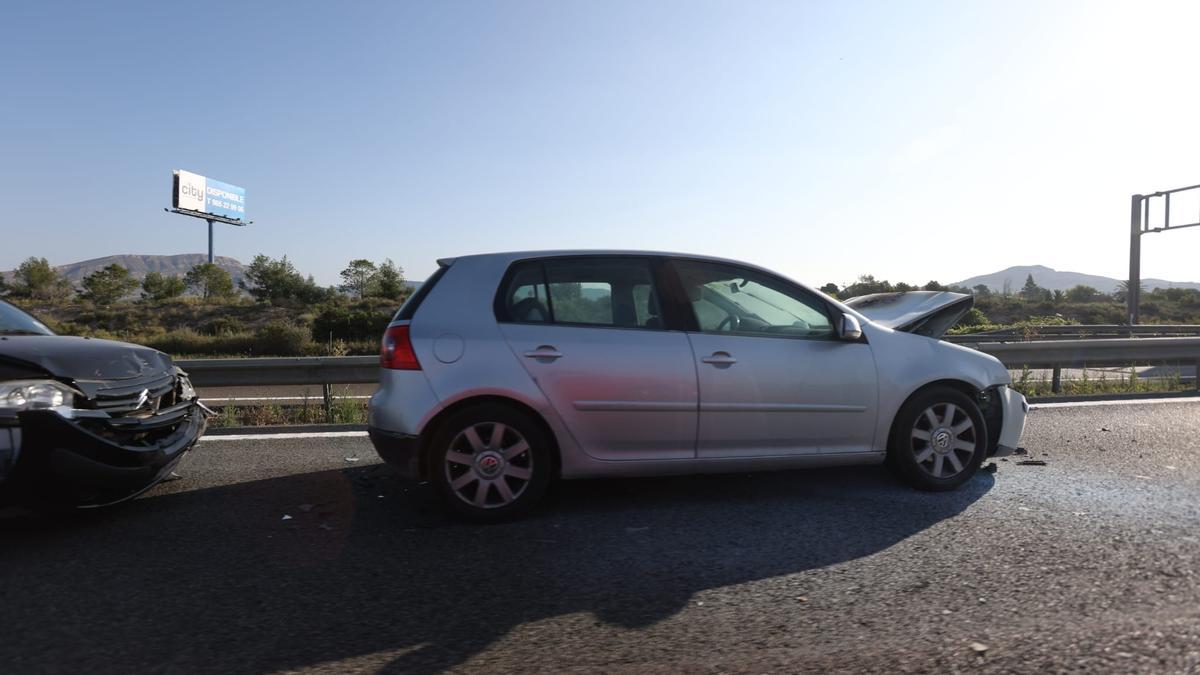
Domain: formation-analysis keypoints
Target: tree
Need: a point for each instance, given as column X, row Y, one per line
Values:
column 3, row 286
column 209, row 282
column 866, row 285
column 1059, row 296
column 108, row 285
column 278, row 282
column 934, row 286
column 157, row 287
column 389, row 281
column 830, row 289
column 1122, row 292
column 1007, row 288
column 981, row 290
column 1031, row 291
column 1083, row 293
column 36, row 280
column 357, row 278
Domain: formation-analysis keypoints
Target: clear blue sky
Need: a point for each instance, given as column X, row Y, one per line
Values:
column 911, row 140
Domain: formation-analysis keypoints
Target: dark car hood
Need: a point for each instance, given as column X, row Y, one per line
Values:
column 84, row 359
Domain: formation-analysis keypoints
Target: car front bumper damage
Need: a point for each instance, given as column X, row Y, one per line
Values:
column 90, row 462
column 1015, row 408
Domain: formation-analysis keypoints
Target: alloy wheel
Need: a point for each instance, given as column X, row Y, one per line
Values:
column 943, row 440
column 489, row 465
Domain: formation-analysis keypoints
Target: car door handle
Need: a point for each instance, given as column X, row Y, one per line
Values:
column 720, row 359
column 544, row 352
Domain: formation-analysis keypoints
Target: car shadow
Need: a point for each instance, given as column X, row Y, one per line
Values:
column 366, row 563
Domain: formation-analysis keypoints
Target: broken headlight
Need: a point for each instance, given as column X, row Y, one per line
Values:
column 186, row 391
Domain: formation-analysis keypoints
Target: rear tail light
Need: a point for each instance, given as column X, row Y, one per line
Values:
column 396, row 352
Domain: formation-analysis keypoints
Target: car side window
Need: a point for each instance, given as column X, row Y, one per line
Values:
column 595, row 291
column 731, row 299
column 598, row 291
column 526, row 298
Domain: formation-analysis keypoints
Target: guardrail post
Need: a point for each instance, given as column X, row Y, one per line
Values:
column 327, row 393
column 1056, row 380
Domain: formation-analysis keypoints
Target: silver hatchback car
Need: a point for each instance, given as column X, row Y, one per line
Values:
column 507, row 371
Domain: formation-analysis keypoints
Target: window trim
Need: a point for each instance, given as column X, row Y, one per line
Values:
column 694, row 322
column 413, row 303
column 655, row 263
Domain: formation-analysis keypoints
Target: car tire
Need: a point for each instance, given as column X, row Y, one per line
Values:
column 933, row 453
column 490, row 462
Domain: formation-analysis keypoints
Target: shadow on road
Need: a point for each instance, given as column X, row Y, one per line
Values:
column 367, row 563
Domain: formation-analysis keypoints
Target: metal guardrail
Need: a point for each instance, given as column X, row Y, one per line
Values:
column 1055, row 354
column 1031, row 333
column 324, row 370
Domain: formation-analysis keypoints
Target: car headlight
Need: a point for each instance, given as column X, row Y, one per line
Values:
column 35, row 395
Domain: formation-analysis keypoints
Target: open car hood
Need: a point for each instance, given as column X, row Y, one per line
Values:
column 928, row 313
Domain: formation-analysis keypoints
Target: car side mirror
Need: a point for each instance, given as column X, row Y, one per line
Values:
column 851, row 329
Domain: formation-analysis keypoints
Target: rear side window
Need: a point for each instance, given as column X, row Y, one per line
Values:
column 591, row 291
column 414, row 301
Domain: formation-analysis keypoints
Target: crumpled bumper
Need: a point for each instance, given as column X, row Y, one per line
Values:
column 1015, row 409
column 63, row 460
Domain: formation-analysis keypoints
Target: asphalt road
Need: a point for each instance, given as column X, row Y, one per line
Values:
column 1088, row 563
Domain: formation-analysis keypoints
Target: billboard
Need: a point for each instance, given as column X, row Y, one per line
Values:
column 194, row 192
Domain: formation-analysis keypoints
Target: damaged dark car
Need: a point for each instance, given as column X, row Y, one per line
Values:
column 87, row 422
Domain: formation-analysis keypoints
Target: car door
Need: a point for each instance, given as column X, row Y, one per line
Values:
column 589, row 330
column 775, row 378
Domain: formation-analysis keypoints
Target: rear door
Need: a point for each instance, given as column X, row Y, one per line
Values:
column 590, row 331
column 775, row 379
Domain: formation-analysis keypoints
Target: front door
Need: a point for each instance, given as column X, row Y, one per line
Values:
column 775, row 378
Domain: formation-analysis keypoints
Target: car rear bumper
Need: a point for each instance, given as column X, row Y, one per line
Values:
column 400, row 450
column 60, row 460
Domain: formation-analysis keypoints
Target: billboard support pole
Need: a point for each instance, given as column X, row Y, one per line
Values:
column 1134, row 286
column 210, row 241
column 1139, row 224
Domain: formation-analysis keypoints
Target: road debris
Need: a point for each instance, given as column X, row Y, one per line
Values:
column 990, row 467
column 1032, row 462
column 978, row 647
column 286, row 517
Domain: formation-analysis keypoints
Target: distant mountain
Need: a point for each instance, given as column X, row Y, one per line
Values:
column 139, row 265
column 1060, row 281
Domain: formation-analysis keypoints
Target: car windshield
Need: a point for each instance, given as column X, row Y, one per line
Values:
column 15, row 322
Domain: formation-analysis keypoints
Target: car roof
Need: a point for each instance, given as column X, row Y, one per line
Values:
column 509, row 256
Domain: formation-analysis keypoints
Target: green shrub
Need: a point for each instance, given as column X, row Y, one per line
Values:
column 223, row 325
column 281, row 339
column 974, row 317
column 345, row 323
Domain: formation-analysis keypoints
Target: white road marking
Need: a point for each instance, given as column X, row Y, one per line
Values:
column 1128, row 401
column 314, row 399
column 280, row 436
column 363, row 434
